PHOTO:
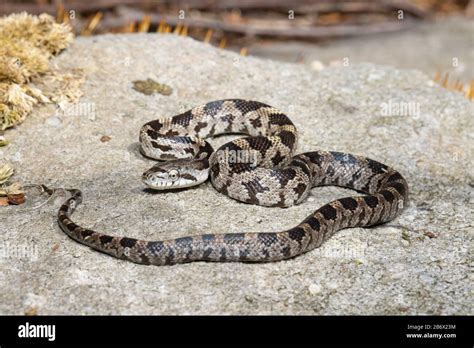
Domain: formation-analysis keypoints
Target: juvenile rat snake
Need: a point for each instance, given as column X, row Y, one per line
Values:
column 257, row 169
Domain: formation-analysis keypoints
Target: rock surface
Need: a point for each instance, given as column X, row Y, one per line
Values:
column 417, row 264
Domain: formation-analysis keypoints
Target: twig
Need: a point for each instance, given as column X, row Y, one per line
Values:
column 305, row 5
column 76, row 5
column 267, row 29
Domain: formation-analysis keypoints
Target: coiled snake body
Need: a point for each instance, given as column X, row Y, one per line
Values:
column 257, row 169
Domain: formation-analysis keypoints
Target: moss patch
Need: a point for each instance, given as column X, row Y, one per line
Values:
column 149, row 87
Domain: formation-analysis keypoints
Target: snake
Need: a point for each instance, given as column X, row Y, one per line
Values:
column 259, row 168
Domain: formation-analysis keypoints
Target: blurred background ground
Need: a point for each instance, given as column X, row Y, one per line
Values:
column 434, row 36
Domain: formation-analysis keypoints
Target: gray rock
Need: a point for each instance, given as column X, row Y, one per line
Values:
column 336, row 108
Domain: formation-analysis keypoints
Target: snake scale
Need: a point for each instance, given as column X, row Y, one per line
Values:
column 259, row 169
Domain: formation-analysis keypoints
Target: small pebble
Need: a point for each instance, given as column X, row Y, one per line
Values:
column 374, row 77
column 105, row 138
column 398, row 275
column 16, row 157
column 317, row 65
column 314, row 289
column 430, row 234
column 427, row 279
column 53, row 121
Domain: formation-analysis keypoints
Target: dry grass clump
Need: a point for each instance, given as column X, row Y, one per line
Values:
column 26, row 44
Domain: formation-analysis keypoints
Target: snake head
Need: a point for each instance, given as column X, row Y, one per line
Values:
column 176, row 174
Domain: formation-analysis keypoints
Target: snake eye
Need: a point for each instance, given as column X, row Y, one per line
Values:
column 173, row 175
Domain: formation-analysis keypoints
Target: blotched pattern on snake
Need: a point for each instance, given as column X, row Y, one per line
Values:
column 259, row 169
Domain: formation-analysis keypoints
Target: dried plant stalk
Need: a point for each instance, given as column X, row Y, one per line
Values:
column 26, row 44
